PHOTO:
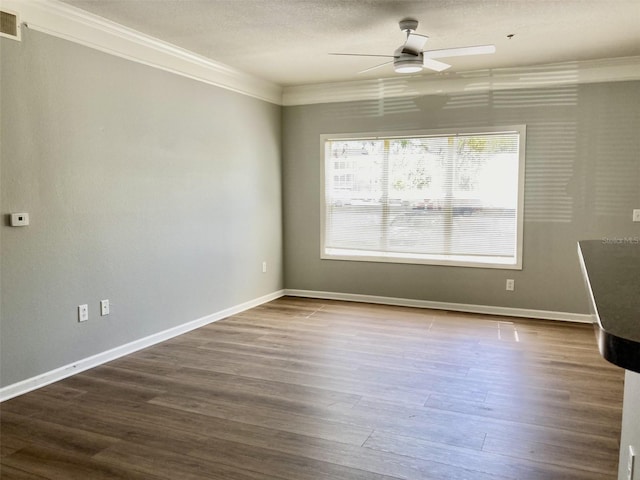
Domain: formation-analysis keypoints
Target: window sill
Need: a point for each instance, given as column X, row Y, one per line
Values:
column 472, row 261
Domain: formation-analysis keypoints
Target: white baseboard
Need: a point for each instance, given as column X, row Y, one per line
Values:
column 52, row 376
column 456, row 307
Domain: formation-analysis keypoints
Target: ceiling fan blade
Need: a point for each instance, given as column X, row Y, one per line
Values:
column 377, row 66
column 460, row 51
column 434, row 64
column 362, row 55
column 414, row 43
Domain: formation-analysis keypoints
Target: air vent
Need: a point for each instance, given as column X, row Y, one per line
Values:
column 9, row 25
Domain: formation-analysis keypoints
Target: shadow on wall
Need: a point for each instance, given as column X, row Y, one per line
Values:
column 565, row 170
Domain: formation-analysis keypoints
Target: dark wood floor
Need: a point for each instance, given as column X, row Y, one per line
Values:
column 308, row 390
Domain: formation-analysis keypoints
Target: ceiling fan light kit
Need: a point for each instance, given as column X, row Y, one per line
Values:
column 411, row 58
column 402, row 67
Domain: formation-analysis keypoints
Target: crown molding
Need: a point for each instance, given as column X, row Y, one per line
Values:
column 570, row 73
column 71, row 23
column 76, row 25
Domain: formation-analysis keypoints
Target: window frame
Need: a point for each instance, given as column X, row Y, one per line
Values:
column 428, row 259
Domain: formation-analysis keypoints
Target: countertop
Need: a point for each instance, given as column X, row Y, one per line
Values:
column 612, row 274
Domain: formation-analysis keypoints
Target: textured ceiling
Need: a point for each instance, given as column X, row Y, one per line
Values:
column 288, row 41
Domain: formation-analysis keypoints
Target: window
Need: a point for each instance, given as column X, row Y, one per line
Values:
column 443, row 198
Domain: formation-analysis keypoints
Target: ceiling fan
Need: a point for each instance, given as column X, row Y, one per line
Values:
column 411, row 58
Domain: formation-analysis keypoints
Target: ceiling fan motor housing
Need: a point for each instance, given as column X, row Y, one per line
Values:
column 407, row 62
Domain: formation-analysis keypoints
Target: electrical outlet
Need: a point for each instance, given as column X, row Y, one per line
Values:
column 636, row 215
column 264, row 267
column 511, row 284
column 104, row 307
column 631, row 463
column 83, row 313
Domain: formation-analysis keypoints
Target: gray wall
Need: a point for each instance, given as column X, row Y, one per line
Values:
column 157, row 192
column 582, row 182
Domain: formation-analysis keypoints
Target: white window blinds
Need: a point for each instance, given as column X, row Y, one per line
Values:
column 447, row 198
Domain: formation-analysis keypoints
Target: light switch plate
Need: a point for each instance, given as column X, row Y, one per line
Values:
column 636, row 215
column 83, row 313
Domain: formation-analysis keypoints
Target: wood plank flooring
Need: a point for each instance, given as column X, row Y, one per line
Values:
column 302, row 389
